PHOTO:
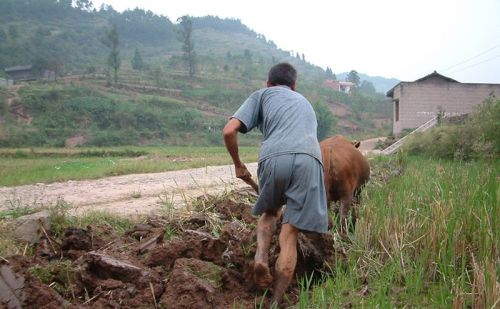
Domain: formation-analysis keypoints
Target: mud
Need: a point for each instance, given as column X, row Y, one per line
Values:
column 206, row 264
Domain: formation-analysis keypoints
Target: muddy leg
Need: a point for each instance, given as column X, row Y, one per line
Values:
column 287, row 259
column 265, row 230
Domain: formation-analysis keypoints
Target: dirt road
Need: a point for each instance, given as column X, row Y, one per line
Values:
column 136, row 193
column 128, row 194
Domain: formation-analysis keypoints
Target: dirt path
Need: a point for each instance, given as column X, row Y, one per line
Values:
column 136, row 193
column 128, row 194
column 368, row 145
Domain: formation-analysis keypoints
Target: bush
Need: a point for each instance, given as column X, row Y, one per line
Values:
column 477, row 138
column 326, row 120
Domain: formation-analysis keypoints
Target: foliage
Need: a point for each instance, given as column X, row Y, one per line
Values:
column 137, row 62
column 61, row 112
column 477, row 138
column 3, row 36
column 13, row 32
column 185, row 38
column 330, row 74
column 229, row 25
column 142, row 27
column 353, row 77
column 231, row 62
column 326, row 120
column 367, row 88
column 112, row 41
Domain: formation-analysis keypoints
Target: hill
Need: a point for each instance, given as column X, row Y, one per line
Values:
column 158, row 103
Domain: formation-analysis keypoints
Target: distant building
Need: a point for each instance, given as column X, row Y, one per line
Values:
column 415, row 103
column 20, row 72
column 338, row 85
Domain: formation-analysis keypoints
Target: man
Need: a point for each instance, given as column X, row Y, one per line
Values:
column 289, row 170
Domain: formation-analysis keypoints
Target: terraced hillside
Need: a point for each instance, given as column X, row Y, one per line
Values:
column 157, row 103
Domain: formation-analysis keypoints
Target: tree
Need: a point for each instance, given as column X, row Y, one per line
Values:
column 3, row 36
column 39, row 65
column 248, row 55
column 65, row 3
column 112, row 41
column 353, row 77
column 185, row 38
column 326, row 120
column 84, row 4
column 158, row 76
column 13, row 32
column 330, row 74
column 137, row 63
column 367, row 87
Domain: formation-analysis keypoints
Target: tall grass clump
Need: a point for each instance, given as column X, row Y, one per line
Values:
column 477, row 138
column 428, row 237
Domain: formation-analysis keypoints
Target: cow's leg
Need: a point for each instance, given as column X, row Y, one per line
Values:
column 266, row 227
column 345, row 206
column 355, row 206
column 287, row 259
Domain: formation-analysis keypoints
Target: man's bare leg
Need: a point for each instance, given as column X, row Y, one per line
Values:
column 266, row 227
column 287, row 260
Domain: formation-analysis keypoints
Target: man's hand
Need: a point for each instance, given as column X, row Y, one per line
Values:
column 242, row 172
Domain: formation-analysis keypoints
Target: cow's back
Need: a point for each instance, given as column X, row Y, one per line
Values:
column 345, row 168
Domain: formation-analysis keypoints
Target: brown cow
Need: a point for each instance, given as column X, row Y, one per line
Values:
column 346, row 171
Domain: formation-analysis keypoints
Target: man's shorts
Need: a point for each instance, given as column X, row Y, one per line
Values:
column 297, row 181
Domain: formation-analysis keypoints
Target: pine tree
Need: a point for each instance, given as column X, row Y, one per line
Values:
column 137, row 63
column 112, row 41
column 185, row 37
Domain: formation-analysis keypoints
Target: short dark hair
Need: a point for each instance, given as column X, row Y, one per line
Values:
column 282, row 74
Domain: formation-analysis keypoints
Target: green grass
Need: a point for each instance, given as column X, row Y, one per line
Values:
column 28, row 166
column 429, row 238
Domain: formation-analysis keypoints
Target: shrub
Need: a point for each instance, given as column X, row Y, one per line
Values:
column 326, row 120
column 477, row 138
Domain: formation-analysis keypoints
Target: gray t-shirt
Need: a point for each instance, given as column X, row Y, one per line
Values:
column 285, row 118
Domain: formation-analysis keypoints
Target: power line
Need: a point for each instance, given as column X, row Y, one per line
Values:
column 469, row 59
column 474, row 64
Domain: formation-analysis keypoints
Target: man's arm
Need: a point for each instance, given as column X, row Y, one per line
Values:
column 231, row 141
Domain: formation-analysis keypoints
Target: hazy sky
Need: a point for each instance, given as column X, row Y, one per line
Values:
column 392, row 38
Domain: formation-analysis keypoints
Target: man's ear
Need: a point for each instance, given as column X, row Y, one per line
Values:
column 269, row 84
column 292, row 86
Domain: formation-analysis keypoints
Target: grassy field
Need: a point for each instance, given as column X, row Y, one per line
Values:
column 28, row 166
column 428, row 237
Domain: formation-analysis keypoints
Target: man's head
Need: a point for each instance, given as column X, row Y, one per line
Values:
column 282, row 74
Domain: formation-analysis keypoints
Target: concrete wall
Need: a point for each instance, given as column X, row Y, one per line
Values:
column 6, row 82
column 420, row 101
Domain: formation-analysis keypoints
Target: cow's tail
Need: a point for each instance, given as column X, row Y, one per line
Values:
column 331, row 169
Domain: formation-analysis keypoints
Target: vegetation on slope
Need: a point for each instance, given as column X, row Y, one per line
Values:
column 157, row 102
column 476, row 138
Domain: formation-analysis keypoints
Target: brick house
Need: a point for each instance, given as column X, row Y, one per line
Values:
column 415, row 103
column 338, row 85
column 20, row 72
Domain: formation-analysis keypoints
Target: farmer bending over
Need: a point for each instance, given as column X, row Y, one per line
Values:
column 290, row 172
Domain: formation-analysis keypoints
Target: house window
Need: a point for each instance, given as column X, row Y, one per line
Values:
column 396, row 109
